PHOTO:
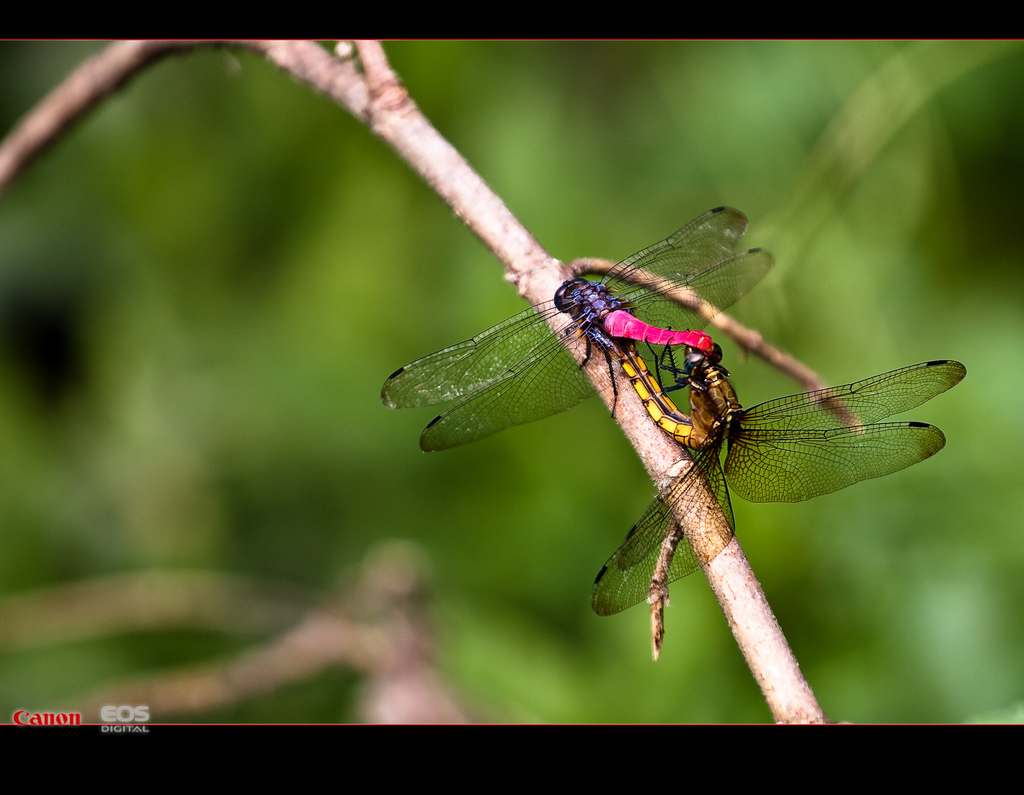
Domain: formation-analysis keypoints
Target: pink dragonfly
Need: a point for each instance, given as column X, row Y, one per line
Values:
column 519, row 371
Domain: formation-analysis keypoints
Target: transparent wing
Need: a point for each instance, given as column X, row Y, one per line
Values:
column 456, row 371
column 707, row 294
column 626, row 578
column 859, row 403
column 711, row 237
column 789, row 466
column 547, row 382
column 797, row 447
column 696, row 266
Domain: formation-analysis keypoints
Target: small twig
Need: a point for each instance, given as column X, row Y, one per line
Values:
column 95, row 80
column 379, row 628
column 748, row 339
column 85, row 610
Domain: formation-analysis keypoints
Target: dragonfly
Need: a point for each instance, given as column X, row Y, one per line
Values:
column 520, row 370
column 785, row 450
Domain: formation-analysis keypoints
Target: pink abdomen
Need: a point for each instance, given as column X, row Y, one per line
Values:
column 622, row 324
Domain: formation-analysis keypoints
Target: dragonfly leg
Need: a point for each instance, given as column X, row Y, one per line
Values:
column 667, row 363
column 611, row 375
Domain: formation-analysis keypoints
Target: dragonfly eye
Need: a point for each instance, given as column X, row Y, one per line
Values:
column 561, row 303
column 693, row 358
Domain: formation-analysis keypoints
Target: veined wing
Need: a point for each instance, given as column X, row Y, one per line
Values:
column 708, row 238
column 545, row 383
column 707, row 293
column 769, row 465
column 626, row 578
column 859, row 403
column 456, row 371
column 798, row 447
column 696, row 263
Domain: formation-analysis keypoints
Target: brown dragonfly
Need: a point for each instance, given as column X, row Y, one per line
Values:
column 785, row 450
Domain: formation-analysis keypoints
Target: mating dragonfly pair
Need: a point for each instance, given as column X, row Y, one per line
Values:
column 789, row 449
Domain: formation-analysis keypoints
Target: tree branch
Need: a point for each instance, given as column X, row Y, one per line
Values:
column 95, row 80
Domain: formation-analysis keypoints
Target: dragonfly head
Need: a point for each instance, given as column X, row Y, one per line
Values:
column 711, row 354
column 586, row 301
column 698, row 361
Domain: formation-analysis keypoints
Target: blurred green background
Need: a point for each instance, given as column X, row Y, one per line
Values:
column 204, row 286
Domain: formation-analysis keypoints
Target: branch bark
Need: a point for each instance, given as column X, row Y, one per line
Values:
column 371, row 91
